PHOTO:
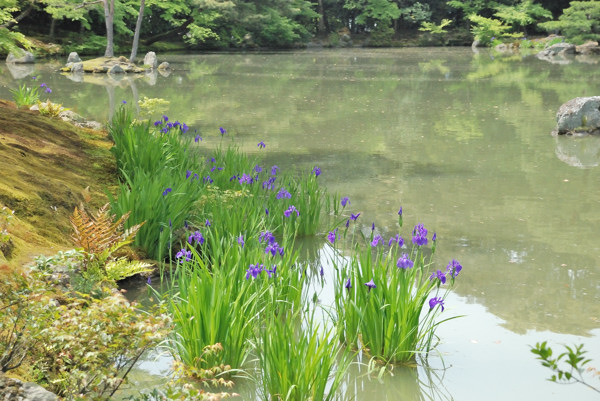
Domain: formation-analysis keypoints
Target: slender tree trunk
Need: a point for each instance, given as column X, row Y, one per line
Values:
column 109, row 14
column 138, row 28
column 52, row 28
column 321, row 28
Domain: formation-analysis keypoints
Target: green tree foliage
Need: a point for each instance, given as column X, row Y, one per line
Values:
column 373, row 12
column 485, row 30
column 578, row 23
column 10, row 40
column 522, row 14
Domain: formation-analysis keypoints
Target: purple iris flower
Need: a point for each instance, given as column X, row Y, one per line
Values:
column 419, row 235
column 316, row 171
column 266, row 236
column 183, row 255
column 254, row 271
column 370, row 285
column 258, row 169
column 345, row 201
column 271, row 272
column 208, row 179
column 454, row 268
column 240, row 240
column 348, row 284
column 439, row 275
column 197, row 138
column 283, row 194
column 404, row 262
column 377, row 240
column 207, row 223
column 347, row 223
column 291, row 210
column 274, row 170
column 166, row 191
column 188, row 173
column 353, row 217
column 196, row 236
column 331, row 237
column 246, row 179
column 273, row 248
column 321, row 271
column 397, row 240
column 223, row 130
column 269, row 183
column 261, row 145
column 433, row 302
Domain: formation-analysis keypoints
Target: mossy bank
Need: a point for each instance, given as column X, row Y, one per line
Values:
column 45, row 164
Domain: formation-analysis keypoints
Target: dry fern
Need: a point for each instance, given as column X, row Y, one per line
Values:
column 98, row 235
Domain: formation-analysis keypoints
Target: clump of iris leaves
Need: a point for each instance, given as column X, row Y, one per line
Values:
column 226, row 229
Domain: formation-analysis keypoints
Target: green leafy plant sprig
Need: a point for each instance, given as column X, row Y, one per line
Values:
column 573, row 359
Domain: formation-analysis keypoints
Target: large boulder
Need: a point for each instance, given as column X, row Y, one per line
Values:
column 73, row 58
column 23, row 57
column 558, row 53
column 590, row 47
column 14, row 389
column 578, row 115
column 151, row 60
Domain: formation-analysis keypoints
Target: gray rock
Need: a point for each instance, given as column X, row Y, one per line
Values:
column 557, row 49
column 77, row 67
column 73, row 58
column 164, row 66
column 116, row 69
column 151, row 60
column 579, row 114
column 16, row 390
column 70, row 115
column 34, row 392
column 24, row 57
column 590, row 47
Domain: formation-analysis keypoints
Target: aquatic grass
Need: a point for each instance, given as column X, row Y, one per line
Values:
column 219, row 292
column 25, row 95
column 387, row 300
column 207, row 310
column 299, row 363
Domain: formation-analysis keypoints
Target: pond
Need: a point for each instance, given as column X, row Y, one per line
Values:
column 461, row 141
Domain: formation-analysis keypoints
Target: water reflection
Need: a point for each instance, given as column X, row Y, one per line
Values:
column 579, row 152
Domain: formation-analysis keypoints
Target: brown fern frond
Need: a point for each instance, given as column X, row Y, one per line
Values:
column 100, row 235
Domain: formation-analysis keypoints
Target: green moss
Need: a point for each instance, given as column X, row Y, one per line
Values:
column 46, row 164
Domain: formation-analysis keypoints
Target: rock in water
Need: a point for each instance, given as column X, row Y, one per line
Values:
column 579, row 115
column 23, row 57
column 73, row 58
column 150, row 60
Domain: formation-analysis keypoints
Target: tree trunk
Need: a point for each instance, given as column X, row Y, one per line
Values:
column 109, row 15
column 138, row 28
column 52, row 28
column 321, row 28
column 19, row 17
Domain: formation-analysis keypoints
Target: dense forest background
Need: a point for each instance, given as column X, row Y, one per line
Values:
column 108, row 26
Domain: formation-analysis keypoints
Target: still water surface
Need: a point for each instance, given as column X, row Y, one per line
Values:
column 462, row 142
